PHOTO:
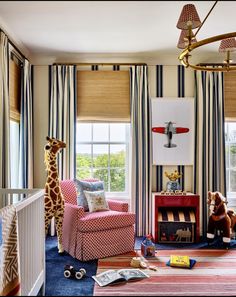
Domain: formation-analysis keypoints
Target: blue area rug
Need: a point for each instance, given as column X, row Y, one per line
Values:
column 58, row 285
column 216, row 244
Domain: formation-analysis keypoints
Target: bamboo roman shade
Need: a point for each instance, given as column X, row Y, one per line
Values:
column 14, row 89
column 103, row 96
column 230, row 95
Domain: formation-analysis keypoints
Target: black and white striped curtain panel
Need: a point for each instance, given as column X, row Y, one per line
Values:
column 209, row 167
column 180, row 92
column 4, row 113
column 26, row 127
column 140, row 149
column 62, row 115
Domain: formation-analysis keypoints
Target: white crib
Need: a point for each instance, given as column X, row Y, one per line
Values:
column 31, row 235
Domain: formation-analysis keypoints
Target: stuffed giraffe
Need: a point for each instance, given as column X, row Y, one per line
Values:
column 53, row 198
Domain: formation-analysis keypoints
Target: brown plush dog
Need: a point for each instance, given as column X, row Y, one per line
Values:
column 219, row 219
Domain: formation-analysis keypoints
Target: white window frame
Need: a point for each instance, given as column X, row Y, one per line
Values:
column 231, row 196
column 109, row 194
column 14, row 152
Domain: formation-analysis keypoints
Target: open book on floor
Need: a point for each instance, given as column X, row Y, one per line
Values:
column 116, row 276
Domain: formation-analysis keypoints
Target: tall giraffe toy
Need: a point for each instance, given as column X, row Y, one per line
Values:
column 53, row 198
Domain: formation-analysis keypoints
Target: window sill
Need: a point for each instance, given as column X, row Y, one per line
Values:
column 119, row 198
column 231, row 196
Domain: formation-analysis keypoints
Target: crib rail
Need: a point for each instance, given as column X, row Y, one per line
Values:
column 31, row 235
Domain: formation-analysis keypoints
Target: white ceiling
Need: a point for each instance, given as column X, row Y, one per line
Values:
column 108, row 27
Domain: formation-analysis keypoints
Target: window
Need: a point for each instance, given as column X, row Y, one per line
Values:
column 103, row 152
column 14, row 153
column 15, row 100
column 230, row 151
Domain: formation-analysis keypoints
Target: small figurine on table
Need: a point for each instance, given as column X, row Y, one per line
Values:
column 148, row 247
column 172, row 185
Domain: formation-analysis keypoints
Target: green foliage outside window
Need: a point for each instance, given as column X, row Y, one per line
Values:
column 100, row 169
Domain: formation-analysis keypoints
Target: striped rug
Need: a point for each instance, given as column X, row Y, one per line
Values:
column 214, row 274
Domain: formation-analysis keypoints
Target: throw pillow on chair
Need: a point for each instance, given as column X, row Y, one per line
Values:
column 96, row 200
column 84, row 185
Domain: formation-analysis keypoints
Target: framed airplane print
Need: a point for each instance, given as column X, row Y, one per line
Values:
column 172, row 131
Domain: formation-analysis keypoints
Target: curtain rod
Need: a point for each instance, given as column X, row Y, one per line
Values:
column 214, row 64
column 14, row 46
column 102, row 64
column 17, row 56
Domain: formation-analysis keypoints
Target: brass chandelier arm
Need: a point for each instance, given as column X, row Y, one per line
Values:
column 223, row 68
column 211, row 40
column 183, row 57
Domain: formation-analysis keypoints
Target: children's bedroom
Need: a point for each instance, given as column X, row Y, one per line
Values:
column 117, row 148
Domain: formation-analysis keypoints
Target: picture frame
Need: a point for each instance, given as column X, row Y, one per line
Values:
column 172, row 130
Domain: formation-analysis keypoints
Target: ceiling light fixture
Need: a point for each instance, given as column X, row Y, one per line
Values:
column 190, row 20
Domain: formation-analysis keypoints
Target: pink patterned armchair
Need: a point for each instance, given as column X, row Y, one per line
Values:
column 93, row 235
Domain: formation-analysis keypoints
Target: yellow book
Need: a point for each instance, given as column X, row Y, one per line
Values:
column 179, row 261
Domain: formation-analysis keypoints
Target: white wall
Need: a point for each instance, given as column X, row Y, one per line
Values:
column 41, row 100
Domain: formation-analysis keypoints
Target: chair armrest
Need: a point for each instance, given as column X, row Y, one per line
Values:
column 72, row 215
column 118, row 205
column 75, row 211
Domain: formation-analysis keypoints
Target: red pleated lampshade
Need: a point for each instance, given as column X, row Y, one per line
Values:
column 228, row 44
column 188, row 14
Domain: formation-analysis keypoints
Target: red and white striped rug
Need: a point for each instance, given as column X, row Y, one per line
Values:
column 214, row 274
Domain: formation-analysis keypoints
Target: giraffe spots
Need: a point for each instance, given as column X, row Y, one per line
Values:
column 49, row 180
column 46, row 199
column 48, row 203
column 53, row 195
column 54, row 175
column 53, row 184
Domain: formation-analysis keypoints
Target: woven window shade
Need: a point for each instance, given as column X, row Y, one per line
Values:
column 14, row 89
column 103, row 96
column 230, row 96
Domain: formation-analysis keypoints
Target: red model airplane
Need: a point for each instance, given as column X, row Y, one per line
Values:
column 169, row 130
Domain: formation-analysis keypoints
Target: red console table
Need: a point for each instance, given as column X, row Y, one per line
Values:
column 170, row 201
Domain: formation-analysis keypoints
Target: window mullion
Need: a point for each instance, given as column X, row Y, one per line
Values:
column 109, row 163
column 126, row 158
column 92, row 162
column 229, row 183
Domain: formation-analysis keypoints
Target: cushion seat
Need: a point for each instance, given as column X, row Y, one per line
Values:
column 105, row 220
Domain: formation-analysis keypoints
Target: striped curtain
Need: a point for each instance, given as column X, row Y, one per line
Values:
column 4, row 113
column 181, row 93
column 62, row 115
column 140, row 147
column 160, row 92
column 209, row 164
column 26, row 127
